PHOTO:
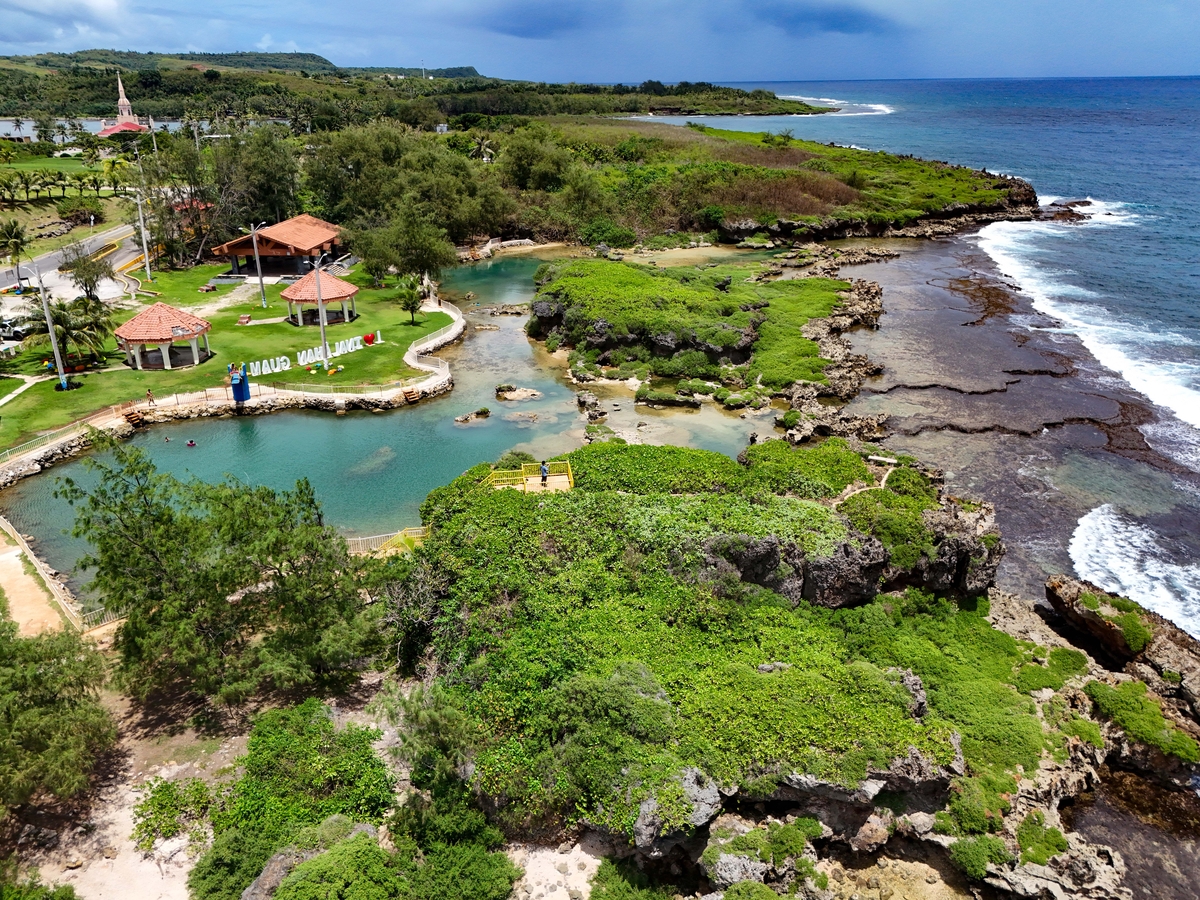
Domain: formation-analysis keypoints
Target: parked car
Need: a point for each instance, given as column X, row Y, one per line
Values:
column 11, row 330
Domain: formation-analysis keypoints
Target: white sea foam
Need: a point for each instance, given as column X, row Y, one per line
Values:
column 1126, row 558
column 845, row 107
column 1019, row 248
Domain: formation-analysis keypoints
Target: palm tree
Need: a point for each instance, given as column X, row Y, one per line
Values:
column 408, row 297
column 80, row 181
column 484, row 148
column 8, row 186
column 13, row 240
column 81, row 323
column 7, row 154
column 18, row 124
column 27, row 181
column 114, row 172
column 51, row 179
column 61, row 132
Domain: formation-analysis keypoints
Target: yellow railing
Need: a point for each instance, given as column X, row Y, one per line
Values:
column 520, row 478
column 381, row 543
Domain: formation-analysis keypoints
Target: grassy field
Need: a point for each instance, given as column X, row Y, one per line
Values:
column 68, row 164
column 42, row 408
column 41, row 211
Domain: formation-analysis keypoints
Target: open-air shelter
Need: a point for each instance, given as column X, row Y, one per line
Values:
column 148, row 339
column 288, row 247
column 333, row 290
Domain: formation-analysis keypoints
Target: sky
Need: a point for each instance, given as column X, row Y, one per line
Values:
column 631, row 40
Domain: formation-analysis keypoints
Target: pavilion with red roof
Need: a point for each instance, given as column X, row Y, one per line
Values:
column 148, row 339
column 291, row 245
column 333, row 290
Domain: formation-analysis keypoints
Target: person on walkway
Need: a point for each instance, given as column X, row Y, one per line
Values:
column 150, row 397
column 545, row 474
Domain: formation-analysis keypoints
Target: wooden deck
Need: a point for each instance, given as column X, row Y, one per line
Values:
column 529, row 478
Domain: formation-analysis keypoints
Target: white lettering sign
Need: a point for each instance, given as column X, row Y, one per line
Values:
column 341, row 348
column 269, row 366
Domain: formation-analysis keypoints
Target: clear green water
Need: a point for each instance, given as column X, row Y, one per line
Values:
column 371, row 471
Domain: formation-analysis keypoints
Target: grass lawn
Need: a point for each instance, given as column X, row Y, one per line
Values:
column 69, row 164
column 41, row 211
column 8, row 385
column 42, row 408
column 181, row 287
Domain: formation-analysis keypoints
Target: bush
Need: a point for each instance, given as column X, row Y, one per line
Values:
column 80, row 210
column 605, row 231
column 357, row 869
column 1135, row 631
column 813, row 471
column 230, row 865
column 625, row 881
column 31, row 888
column 170, row 808
column 1140, row 717
column 895, row 520
column 972, row 855
column 1038, row 843
column 1063, row 663
column 514, row 459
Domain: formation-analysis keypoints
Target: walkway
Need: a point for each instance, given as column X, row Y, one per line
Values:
column 529, row 478
column 28, row 603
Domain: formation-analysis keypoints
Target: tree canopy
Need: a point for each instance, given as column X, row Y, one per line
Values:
column 226, row 588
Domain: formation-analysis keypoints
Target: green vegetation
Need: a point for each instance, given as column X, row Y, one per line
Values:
column 774, row 844
column 1063, row 663
column 31, row 888
column 705, row 318
column 591, row 650
column 895, row 518
column 972, row 855
column 823, row 470
column 625, row 881
column 1126, row 615
column 168, row 555
column 1140, row 717
column 1038, row 843
column 52, row 725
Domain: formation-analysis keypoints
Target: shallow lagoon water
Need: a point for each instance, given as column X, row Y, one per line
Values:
column 371, row 471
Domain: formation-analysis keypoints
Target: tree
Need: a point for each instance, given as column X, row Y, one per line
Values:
column 75, row 326
column 86, row 271
column 52, row 725
column 409, row 299
column 115, row 172
column 13, row 241
column 421, row 247
column 226, row 588
column 483, row 148
column 28, row 181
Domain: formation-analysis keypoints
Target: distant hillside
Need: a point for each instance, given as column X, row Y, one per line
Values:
column 130, row 60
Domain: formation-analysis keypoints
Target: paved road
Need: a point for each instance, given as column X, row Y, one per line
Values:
column 48, row 262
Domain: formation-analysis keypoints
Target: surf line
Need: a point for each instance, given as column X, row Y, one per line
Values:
column 312, row 356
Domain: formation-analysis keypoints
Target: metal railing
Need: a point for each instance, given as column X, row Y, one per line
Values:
column 64, row 433
column 520, row 478
column 395, row 540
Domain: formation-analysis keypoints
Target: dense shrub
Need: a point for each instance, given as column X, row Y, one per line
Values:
column 818, row 470
column 80, row 210
column 1140, row 717
column 972, row 855
column 896, row 520
column 1038, row 843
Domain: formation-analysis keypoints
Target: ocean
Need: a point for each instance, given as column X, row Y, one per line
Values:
column 1126, row 283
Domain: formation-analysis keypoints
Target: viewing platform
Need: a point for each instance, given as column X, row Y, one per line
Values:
column 529, row 478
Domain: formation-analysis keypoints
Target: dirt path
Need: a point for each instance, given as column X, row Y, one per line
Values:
column 29, row 605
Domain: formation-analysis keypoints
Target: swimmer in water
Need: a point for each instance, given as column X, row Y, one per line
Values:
column 191, row 443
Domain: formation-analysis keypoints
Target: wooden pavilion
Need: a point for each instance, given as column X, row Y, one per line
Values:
column 148, row 339
column 333, row 290
column 286, row 247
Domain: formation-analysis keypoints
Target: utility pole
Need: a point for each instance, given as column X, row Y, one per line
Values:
column 141, row 218
column 145, row 245
column 321, row 313
column 62, row 375
column 257, row 265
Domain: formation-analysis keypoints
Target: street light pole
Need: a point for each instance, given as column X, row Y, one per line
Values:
column 62, row 375
column 142, row 226
column 257, row 265
column 321, row 312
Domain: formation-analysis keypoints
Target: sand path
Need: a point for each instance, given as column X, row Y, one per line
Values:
column 29, row 605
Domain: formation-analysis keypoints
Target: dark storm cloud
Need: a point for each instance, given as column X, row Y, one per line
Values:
column 801, row 18
column 542, row 19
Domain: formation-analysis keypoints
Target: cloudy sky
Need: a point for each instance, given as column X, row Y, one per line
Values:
column 629, row 40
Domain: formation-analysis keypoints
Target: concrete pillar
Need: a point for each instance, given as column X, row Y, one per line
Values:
column 353, row 308
column 166, row 352
column 206, row 350
column 291, row 312
column 237, row 270
column 137, row 356
column 195, row 342
column 345, row 312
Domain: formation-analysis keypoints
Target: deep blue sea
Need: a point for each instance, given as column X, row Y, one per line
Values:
column 1127, row 282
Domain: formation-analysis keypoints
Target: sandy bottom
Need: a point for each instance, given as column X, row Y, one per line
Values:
column 28, row 603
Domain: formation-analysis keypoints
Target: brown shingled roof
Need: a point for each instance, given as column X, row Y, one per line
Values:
column 159, row 324
column 305, row 235
column 304, row 232
column 333, row 289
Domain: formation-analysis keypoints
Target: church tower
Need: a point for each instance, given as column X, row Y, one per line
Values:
column 124, row 107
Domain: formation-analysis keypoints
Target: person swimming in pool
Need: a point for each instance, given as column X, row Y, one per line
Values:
column 191, row 443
